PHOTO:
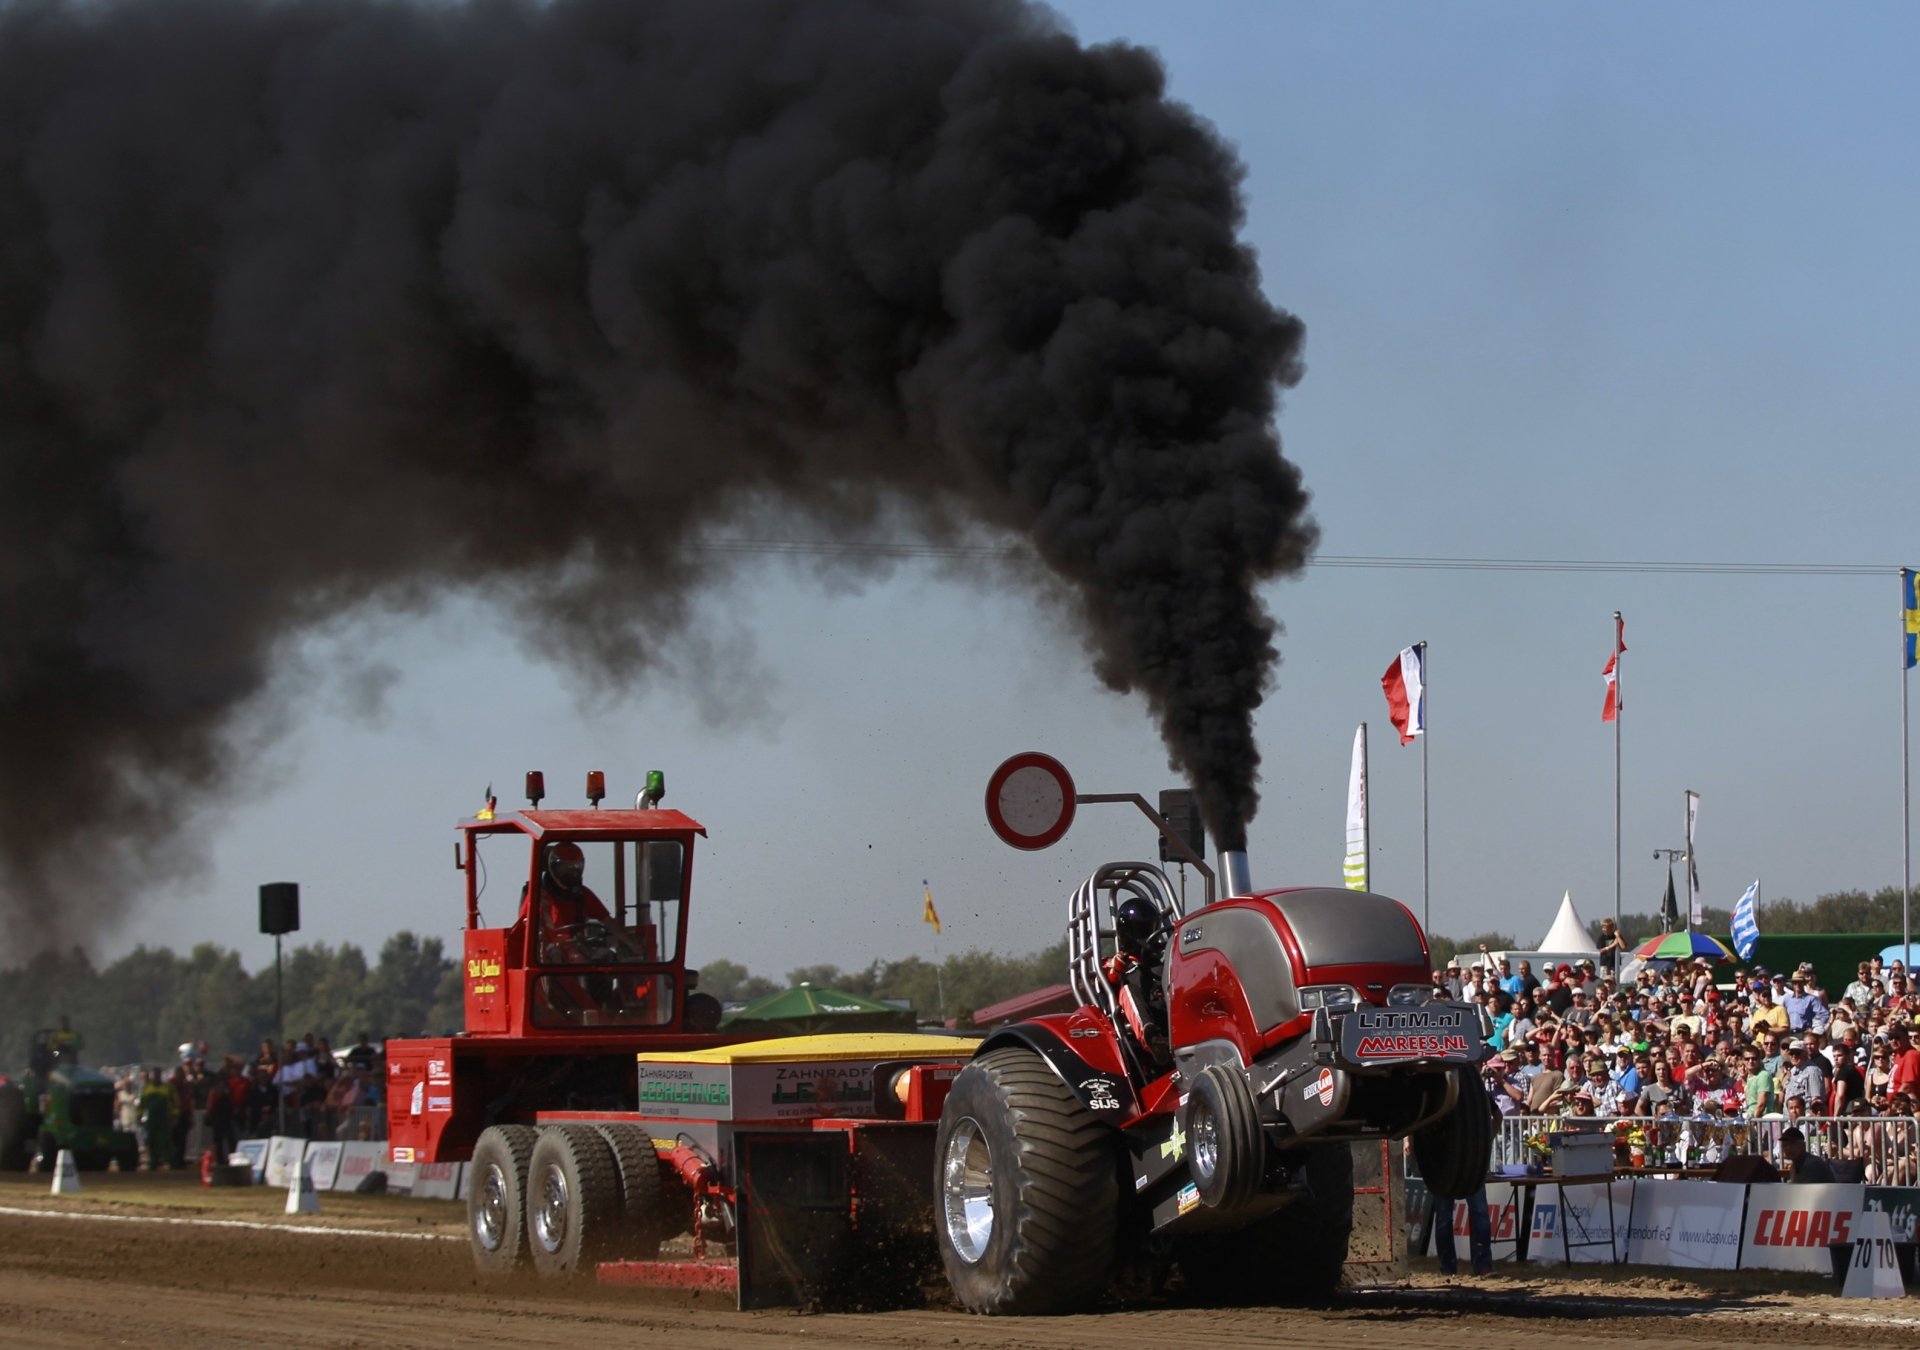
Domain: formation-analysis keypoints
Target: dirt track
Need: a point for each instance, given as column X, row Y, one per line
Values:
column 88, row 1281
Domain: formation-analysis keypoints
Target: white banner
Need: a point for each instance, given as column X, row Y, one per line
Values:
column 399, row 1176
column 256, row 1151
column 1790, row 1227
column 1696, row 908
column 1356, row 864
column 1588, row 1219
column 283, row 1155
column 1695, row 1224
column 323, row 1160
column 1503, row 1218
column 435, row 1181
column 358, row 1158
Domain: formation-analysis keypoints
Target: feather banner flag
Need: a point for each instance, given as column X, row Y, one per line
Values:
column 929, row 914
column 1696, row 907
column 1610, row 710
column 1910, row 615
column 1746, row 922
column 1356, row 864
column 1406, row 688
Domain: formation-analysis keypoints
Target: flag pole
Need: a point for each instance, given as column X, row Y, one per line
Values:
column 1426, row 856
column 1906, row 777
column 1619, row 706
column 939, row 981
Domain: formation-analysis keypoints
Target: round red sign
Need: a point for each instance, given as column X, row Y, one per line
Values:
column 1030, row 801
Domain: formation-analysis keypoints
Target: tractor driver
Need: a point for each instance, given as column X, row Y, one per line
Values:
column 577, row 929
column 567, row 905
column 1140, row 939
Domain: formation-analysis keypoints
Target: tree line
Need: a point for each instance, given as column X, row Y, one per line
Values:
column 142, row 1007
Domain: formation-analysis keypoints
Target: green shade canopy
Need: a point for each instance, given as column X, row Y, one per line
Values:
column 816, row 1008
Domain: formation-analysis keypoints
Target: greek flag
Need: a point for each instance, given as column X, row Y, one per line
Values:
column 1746, row 923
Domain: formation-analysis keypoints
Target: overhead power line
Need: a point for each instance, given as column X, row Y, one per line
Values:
column 987, row 552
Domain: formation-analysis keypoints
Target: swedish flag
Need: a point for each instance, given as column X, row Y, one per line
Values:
column 1911, row 605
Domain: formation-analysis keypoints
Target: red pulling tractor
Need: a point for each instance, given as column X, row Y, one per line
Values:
column 1196, row 1109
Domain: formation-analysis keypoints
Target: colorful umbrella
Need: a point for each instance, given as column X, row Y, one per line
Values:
column 1682, row 946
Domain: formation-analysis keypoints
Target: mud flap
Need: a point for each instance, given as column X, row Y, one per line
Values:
column 794, row 1212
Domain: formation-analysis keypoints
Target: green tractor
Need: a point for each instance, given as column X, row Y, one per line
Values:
column 61, row 1104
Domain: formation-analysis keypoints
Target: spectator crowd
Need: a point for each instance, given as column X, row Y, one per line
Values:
column 1674, row 1045
column 301, row 1088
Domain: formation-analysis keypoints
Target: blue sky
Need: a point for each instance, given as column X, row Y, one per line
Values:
column 1627, row 282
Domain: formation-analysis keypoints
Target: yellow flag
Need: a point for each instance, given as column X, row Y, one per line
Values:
column 930, row 914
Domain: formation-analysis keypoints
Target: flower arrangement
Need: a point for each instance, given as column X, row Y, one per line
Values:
column 1630, row 1141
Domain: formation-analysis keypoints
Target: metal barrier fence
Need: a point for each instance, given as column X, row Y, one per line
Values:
column 1888, row 1146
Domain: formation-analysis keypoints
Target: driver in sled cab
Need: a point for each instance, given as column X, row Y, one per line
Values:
column 576, row 928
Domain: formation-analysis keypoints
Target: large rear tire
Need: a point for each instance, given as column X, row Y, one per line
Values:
column 1455, row 1151
column 16, row 1129
column 643, row 1201
column 1226, row 1151
column 574, row 1215
column 496, row 1197
column 1026, row 1190
column 1295, row 1255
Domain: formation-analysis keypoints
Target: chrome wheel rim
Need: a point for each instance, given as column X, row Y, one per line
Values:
column 967, row 1191
column 550, row 1214
column 1204, row 1141
column 490, row 1215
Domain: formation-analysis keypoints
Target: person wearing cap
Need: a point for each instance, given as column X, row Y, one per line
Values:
column 1805, row 1168
column 1509, row 1093
column 1572, row 1081
column 1801, row 1004
column 1806, row 1079
column 1768, row 1016
column 1559, row 996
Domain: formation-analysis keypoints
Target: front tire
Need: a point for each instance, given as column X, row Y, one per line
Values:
column 496, row 1197
column 573, row 1201
column 1226, row 1151
column 1456, row 1151
column 1026, row 1190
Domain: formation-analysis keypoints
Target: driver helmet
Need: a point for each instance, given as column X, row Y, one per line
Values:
column 566, row 865
column 1136, row 920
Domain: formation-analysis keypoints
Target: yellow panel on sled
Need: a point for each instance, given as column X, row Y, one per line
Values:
column 824, row 1049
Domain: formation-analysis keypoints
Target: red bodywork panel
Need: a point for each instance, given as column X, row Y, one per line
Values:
column 1091, row 1037
column 1207, row 998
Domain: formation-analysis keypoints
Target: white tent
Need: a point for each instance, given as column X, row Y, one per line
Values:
column 1568, row 934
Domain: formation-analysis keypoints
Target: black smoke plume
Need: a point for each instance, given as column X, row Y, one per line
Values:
column 311, row 304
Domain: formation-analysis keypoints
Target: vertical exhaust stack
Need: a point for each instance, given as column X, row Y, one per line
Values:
column 1236, row 875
